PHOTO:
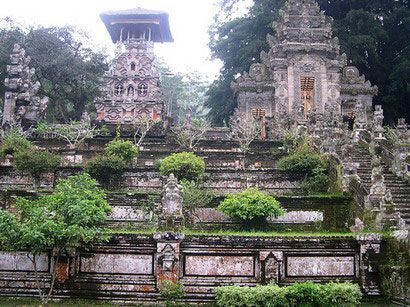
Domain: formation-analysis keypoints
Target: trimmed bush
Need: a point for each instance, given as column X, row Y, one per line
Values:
column 125, row 150
column 251, row 206
column 184, row 165
column 303, row 294
column 36, row 162
column 317, row 182
column 105, row 168
column 303, row 161
column 14, row 142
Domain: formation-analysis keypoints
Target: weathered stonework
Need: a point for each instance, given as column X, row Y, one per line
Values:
column 22, row 106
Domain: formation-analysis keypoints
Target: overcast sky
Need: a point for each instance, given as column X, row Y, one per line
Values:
column 189, row 21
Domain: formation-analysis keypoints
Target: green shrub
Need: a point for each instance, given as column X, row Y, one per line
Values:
column 251, row 206
column 317, row 182
column 184, row 165
column 171, row 291
column 303, row 294
column 303, row 161
column 341, row 294
column 125, row 150
column 36, row 162
column 13, row 142
column 105, row 168
column 194, row 197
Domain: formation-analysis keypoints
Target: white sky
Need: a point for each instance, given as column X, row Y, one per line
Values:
column 189, row 21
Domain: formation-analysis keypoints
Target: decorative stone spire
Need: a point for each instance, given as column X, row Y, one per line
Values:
column 21, row 105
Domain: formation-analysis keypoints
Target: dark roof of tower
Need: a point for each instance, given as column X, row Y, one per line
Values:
column 158, row 20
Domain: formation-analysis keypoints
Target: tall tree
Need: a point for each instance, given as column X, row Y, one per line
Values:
column 69, row 71
column 375, row 35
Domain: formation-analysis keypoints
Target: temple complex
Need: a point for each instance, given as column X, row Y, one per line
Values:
column 133, row 86
column 160, row 232
column 303, row 72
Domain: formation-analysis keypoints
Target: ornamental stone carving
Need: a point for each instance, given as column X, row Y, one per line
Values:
column 22, row 106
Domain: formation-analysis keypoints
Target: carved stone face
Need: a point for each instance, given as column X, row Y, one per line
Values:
column 258, row 72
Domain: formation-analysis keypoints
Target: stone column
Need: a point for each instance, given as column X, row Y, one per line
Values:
column 168, row 258
column 401, row 151
column 378, row 188
column 368, row 262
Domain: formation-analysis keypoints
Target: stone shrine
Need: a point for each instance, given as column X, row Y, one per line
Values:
column 133, row 88
column 303, row 72
column 22, row 106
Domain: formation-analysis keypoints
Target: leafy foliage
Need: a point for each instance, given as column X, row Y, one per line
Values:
column 185, row 93
column 70, row 72
column 125, row 150
column 171, row 291
column 194, row 196
column 251, row 205
column 317, row 182
column 36, row 162
column 184, row 165
column 302, row 294
column 105, row 168
column 373, row 34
column 303, row 161
column 13, row 142
column 70, row 217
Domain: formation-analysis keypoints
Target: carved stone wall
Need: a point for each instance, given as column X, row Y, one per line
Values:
column 131, row 267
column 133, row 88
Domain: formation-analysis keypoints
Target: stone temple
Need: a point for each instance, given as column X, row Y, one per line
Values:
column 303, row 87
column 133, row 86
column 303, row 72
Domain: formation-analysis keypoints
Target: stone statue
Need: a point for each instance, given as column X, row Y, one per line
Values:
column 171, row 214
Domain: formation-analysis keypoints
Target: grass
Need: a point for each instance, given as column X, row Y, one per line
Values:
column 31, row 302
column 228, row 232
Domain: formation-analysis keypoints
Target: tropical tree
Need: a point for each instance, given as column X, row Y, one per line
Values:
column 69, row 71
column 67, row 219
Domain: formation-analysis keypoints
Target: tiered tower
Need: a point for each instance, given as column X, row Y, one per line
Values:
column 133, row 86
column 303, row 71
column 22, row 106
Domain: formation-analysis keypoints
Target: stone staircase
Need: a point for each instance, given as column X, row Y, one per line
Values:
column 400, row 189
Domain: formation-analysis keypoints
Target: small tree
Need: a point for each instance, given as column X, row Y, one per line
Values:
column 244, row 130
column 125, row 150
column 142, row 125
column 184, row 165
column 69, row 218
column 74, row 133
column 251, row 207
column 14, row 141
column 105, row 169
column 190, row 134
column 36, row 162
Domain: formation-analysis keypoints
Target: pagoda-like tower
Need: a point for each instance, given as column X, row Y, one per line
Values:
column 303, row 71
column 132, row 85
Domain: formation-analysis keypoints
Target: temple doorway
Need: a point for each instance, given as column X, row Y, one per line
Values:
column 307, row 85
column 260, row 114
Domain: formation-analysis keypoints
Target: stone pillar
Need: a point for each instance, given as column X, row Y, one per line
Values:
column 378, row 130
column 360, row 122
column 378, row 188
column 368, row 262
column 168, row 258
column 401, row 152
column 349, row 168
